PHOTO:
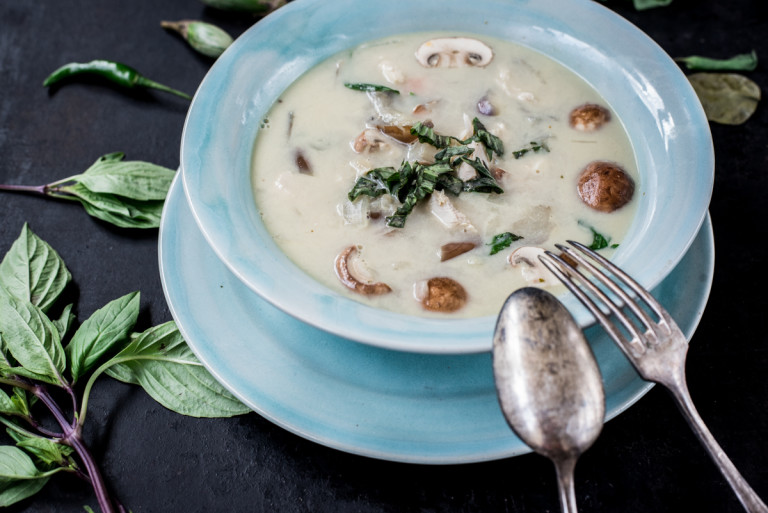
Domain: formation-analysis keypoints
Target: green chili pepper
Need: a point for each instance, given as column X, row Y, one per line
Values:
column 113, row 71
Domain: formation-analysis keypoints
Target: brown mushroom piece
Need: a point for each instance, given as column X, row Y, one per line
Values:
column 605, row 186
column 454, row 249
column 441, row 294
column 350, row 281
column 589, row 117
column 400, row 134
column 454, row 52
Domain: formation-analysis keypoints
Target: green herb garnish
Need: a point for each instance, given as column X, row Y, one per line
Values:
column 41, row 362
column 599, row 241
column 533, row 146
column 502, row 241
column 370, row 88
column 741, row 62
column 414, row 181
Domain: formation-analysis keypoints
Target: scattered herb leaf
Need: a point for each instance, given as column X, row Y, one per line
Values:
column 533, row 146
column 599, row 241
column 727, row 98
column 371, row 88
column 502, row 241
column 741, row 62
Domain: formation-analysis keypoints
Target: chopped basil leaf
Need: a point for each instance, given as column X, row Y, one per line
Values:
column 502, row 241
column 371, row 88
column 453, row 151
column 492, row 143
column 599, row 241
column 534, row 147
column 374, row 183
column 427, row 135
column 484, row 182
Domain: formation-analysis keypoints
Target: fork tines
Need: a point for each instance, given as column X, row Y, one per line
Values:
column 576, row 281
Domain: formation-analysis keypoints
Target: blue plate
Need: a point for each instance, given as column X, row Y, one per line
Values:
column 643, row 86
column 392, row 405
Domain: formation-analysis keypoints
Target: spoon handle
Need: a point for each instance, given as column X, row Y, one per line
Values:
column 565, row 487
column 749, row 499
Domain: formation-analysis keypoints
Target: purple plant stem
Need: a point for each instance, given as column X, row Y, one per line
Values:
column 73, row 437
column 35, row 189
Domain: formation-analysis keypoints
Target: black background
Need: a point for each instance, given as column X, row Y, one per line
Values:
column 646, row 460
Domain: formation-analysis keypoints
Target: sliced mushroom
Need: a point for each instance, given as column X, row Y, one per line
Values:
column 605, row 186
column 302, row 163
column 398, row 133
column 454, row 249
column 369, row 140
column 454, row 52
column 589, row 117
column 425, row 108
column 440, row 294
column 527, row 259
column 350, row 281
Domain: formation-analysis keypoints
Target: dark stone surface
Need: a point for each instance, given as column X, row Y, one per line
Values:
column 154, row 460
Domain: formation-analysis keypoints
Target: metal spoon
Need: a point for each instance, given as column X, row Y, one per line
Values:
column 548, row 382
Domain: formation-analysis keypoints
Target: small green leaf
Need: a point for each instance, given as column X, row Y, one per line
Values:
column 7, row 406
column 100, row 332
column 741, row 62
column 371, row 88
column 64, row 321
column 533, row 146
column 33, row 341
column 641, row 5
column 502, row 241
column 19, row 478
column 205, row 38
column 132, row 179
column 33, row 271
column 727, row 98
column 121, row 212
column 161, row 362
column 47, row 452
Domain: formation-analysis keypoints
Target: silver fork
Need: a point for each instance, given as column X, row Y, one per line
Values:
column 657, row 348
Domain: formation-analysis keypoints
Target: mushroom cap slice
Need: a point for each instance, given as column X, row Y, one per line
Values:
column 589, row 117
column 442, row 294
column 527, row 259
column 454, row 52
column 605, row 186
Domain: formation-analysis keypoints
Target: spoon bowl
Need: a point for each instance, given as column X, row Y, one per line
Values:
column 548, row 382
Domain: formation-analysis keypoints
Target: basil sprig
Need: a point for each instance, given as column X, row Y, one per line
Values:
column 39, row 354
column 414, row 181
column 128, row 194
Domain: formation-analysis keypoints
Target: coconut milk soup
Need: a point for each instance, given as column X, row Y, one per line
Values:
column 393, row 171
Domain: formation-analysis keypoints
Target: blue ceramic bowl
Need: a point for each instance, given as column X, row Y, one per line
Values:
column 643, row 86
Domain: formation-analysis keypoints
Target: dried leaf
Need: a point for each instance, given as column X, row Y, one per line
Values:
column 727, row 98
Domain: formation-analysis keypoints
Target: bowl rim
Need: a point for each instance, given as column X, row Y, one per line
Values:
column 305, row 32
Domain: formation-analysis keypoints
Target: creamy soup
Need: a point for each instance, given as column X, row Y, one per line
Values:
column 516, row 155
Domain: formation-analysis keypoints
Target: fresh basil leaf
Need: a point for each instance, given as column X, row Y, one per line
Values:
column 492, row 143
column 65, row 321
column 32, row 340
column 533, row 146
column 5, row 361
column 47, row 452
column 7, row 406
column 133, row 179
column 33, row 271
column 502, row 241
column 453, row 151
column 427, row 135
column 599, row 241
column 450, row 183
column 374, row 183
column 370, row 88
column 162, row 364
column 19, row 478
column 98, row 334
column 484, row 181
column 727, row 98
column 642, row 5
column 122, row 212
column 741, row 62
column 19, row 398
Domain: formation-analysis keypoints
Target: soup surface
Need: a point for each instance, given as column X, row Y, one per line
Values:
column 510, row 173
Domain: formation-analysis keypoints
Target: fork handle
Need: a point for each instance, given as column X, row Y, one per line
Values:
column 749, row 499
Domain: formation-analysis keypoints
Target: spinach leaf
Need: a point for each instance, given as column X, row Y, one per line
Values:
column 370, row 88
column 32, row 270
column 741, row 62
column 502, row 241
column 161, row 362
column 19, row 478
column 100, row 332
column 32, row 340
